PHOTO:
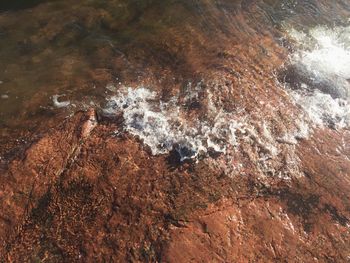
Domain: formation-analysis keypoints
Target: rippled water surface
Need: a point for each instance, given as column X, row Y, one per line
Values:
column 57, row 57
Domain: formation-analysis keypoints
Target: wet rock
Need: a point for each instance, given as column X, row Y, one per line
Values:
column 79, row 195
column 281, row 223
column 299, row 77
column 26, row 180
column 90, row 124
column 86, row 190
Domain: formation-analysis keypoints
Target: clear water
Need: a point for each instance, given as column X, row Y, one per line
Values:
column 19, row 4
column 60, row 56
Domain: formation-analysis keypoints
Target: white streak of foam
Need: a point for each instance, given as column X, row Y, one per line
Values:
column 167, row 126
column 161, row 125
column 323, row 109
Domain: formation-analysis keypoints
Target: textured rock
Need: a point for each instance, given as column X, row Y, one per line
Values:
column 84, row 190
column 76, row 196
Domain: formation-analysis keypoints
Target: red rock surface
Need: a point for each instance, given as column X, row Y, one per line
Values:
column 79, row 191
column 305, row 220
column 82, row 194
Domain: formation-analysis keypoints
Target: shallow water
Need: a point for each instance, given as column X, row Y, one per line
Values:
column 19, row 4
column 59, row 56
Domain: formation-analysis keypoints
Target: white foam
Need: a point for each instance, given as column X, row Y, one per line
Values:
column 59, row 104
column 322, row 109
column 324, row 54
column 164, row 126
column 326, row 50
column 167, row 126
column 302, row 132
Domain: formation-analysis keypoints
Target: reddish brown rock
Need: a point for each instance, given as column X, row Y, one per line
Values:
column 86, row 195
column 84, row 192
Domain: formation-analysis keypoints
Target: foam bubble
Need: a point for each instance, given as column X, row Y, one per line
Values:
column 325, row 50
column 170, row 126
column 164, row 126
column 320, row 73
column 322, row 109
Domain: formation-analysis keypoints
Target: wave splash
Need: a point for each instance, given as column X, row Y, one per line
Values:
column 319, row 74
column 166, row 126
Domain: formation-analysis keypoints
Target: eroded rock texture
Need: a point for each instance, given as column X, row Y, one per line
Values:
column 82, row 194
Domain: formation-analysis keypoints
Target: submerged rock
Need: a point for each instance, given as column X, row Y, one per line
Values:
column 204, row 158
column 92, row 196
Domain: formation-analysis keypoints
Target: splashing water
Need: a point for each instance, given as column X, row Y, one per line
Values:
column 319, row 72
column 163, row 126
column 166, row 126
column 326, row 50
